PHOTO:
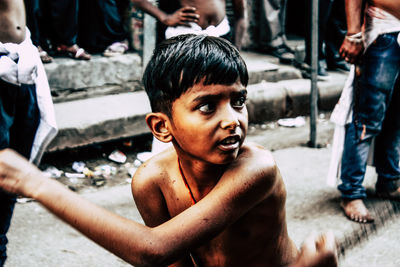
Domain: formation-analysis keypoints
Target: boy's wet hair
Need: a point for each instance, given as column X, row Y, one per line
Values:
column 183, row 61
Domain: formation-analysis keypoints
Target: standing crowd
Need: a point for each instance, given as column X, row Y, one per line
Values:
column 74, row 29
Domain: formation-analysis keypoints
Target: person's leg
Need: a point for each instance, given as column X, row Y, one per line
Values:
column 63, row 16
column 6, row 202
column 26, row 120
column 32, row 20
column 387, row 150
column 272, row 36
column 18, row 123
column 100, row 25
column 324, row 12
column 334, row 37
column 373, row 92
column 32, row 8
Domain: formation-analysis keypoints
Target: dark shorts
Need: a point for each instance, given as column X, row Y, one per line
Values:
column 19, row 120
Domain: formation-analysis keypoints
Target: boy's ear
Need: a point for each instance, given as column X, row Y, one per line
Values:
column 158, row 124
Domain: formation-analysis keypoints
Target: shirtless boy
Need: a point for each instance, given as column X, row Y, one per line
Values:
column 211, row 199
column 375, row 49
column 201, row 14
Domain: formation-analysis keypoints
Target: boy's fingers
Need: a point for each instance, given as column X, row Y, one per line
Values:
column 188, row 9
column 328, row 241
column 310, row 243
column 191, row 17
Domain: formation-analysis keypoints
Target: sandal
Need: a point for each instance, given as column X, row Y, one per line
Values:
column 115, row 49
column 73, row 51
column 44, row 57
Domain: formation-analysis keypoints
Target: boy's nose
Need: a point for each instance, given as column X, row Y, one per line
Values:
column 229, row 119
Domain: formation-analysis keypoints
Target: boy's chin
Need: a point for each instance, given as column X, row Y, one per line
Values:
column 227, row 158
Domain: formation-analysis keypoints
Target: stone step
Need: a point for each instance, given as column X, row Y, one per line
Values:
column 104, row 118
column 73, row 79
column 100, row 119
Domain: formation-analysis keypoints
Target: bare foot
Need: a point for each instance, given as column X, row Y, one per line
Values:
column 355, row 210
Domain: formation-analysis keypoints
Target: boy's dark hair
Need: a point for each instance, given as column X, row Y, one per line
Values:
column 181, row 62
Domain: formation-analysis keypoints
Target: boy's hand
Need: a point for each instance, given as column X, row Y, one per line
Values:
column 318, row 251
column 17, row 175
column 182, row 16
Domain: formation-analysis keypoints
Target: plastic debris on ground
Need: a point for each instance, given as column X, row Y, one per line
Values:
column 74, row 175
column 98, row 181
column 52, row 172
column 292, row 122
column 130, row 168
column 137, row 163
column 106, row 170
column 89, row 173
column 78, row 166
column 117, row 156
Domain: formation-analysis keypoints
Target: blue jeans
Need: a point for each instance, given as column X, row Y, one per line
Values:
column 376, row 114
column 19, row 119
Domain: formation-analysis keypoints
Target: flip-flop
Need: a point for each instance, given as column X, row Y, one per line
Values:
column 74, row 52
column 115, row 49
column 44, row 56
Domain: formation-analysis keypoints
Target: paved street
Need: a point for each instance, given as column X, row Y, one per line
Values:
column 39, row 239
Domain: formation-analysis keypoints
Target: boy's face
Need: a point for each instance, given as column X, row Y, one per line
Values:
column 209, row 122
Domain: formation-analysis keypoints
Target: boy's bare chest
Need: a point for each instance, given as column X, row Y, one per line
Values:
column 249, row 240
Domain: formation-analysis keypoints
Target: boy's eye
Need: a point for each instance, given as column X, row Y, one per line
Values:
column 206, row 108
column 239, row 102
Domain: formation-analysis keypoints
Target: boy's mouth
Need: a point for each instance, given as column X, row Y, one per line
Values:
column 230, row 143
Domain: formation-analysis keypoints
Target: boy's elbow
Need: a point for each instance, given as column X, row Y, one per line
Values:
column 156, row 252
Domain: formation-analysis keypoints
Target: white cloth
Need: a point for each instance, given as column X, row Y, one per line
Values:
column 30, row 70
column 377, row 22
column 221, row 29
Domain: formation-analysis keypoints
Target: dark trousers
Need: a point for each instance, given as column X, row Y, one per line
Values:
column 331, row 29
column 33, row 16
column 375, row 114
column 101, row 23
column 19, row 119
column 60, row 19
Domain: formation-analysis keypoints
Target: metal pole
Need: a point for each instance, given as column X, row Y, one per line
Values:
column 314, row 72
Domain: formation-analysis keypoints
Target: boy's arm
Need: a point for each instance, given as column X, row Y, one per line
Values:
column 152, row 207
column 182, row 16
column 238, row 190
column 352, row 50
column 239, row 9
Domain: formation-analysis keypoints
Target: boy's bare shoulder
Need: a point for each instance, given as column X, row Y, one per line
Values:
column 154, row 171
column 256, row 156
column 258, row 164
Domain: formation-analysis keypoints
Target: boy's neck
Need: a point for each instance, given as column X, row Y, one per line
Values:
column 200, row 176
